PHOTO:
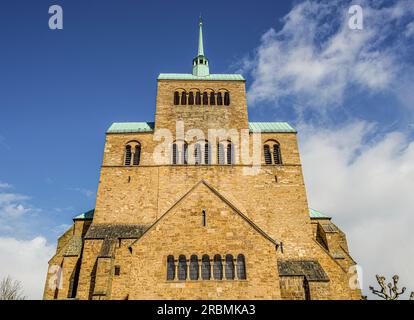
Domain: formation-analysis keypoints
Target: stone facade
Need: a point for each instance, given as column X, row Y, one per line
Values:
column 153, row 211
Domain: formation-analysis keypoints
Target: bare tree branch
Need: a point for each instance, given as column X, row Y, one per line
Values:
column 393, row 293
column 11, row 290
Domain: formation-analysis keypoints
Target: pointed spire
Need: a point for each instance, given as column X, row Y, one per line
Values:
column 200, row 39
column 200, row 62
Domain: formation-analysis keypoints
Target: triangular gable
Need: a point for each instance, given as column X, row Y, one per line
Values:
column 224, row 199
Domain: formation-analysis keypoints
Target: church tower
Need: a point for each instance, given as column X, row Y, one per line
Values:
column 201, row 204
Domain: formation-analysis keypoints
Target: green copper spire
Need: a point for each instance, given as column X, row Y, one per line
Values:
column 200, row 63
column 200, row 38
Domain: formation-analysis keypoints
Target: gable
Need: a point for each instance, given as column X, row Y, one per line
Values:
column 185, row 216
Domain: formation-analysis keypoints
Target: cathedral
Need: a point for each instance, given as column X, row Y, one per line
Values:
column 201, row 204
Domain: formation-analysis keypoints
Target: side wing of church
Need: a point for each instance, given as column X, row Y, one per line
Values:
column 183, row 217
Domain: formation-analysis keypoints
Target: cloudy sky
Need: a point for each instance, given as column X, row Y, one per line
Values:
column 350, row 93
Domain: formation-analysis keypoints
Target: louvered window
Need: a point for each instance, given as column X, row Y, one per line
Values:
column 229, row 267
column 182, row 268
column 276, row 154
column 128, row 155
column 267, row 155
column 137, row 155
column 220, row 153
column 174, row 154
column 230, row 153
column 207, row 159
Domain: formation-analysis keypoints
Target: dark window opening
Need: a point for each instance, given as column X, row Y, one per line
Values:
column 230, row 153
column 226, row 98
column 182, row 268
column 191, row 98
column 183, row 98
column 170, row 268
column 219, row 99
column 176, row 98
column 198, row 98
column 276, row 154
column 241, row 268
column 117, row 270
column 205, row 98
column 137, row 155
column 212, row 99
column 218, row 268
column 174, row 154
column 185, row 153
column 204, row 218
column 229, row 267
column 194, row 267
column 128, row 155
column 267, row 155
column 205, row 268
column 207, row 159
column 197, row 154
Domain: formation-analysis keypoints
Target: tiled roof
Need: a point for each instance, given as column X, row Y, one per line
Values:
column 317, row 214
column 116, row 231
column 210, row 77
column 270, row 127
column 312, row 270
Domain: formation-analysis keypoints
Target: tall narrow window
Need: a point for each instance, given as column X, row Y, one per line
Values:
column 174, row 154
column 277, row 158
column 183, row 98
column 220, row 153
column 229, row 267
column 128, row 155
column 212, row 99
column 203, row 218
column 176, row 98
column 205, row 98
column 267, row 155
column 218, row 268
column 205, row 267
column 194, row 267
column 170, row 268
column 207, row 159
column 137, row 155
column 197, row 153
column 182, row 268
column 230, row 153
column 226, row 98
column 241, row 268
column 198, row 98
column 191, row 98
column 219, row 99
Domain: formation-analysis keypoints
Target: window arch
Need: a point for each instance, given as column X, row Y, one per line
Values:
column 241, row 267
column 229, row 267
column 272, row 154
column 128, row 155
column 170, row 268
column 193, row 267
column 218, row 268
column 205, row 267
column 182, row 267
column 277, row 157
column 176, row 98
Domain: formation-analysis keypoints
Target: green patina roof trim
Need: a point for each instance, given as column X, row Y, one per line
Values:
column 210, row 77
column 317, row 214
column 85, row 216
column 128, row 127
column 123, row 127
column 270, row 127
column 89, row 215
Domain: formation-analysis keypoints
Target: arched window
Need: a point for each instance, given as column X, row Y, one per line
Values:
column 205, row 98
column 170, row 268
column 197, row 153
column 176, row 98
column 229, row 267
column 207, row 159
column 137, row 155
column 226, row 98
column 183, row 98
column 191, row 98
column 205, row 267
column 230, row 153
column 219, row 99
column 212, row 99
column 185, row 153
column 128, row 155
column 182, row 268
column 220, row 153
column 174, row 154
column 218, row 268
column 241, row 268
column 267, row 155
column 198, row 98
column 194, row 267
column 277, row 158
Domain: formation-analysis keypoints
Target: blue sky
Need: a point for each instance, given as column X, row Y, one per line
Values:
column 349, row 92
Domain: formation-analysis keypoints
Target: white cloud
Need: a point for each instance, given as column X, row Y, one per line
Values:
column 367, row 187
column 315, row 58
column 86, row 192
column 4, row 185
column 26, row 261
